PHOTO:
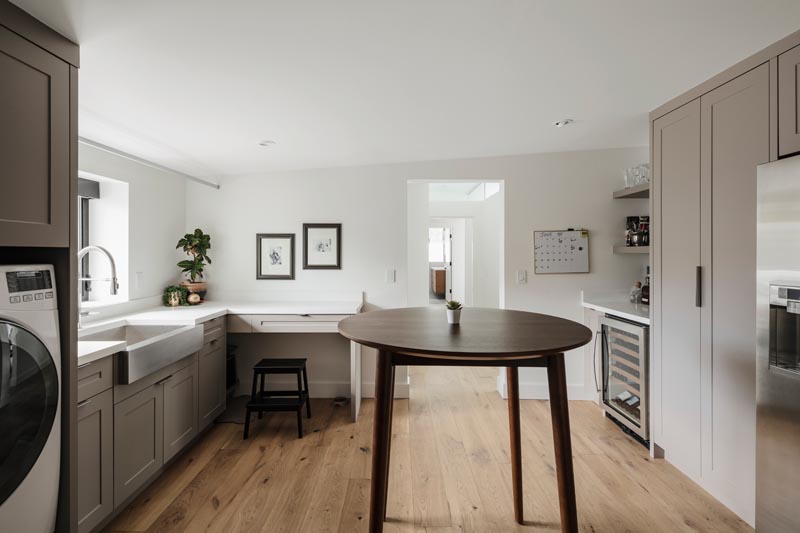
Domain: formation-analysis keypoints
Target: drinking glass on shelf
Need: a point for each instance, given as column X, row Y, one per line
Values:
column 630, row 177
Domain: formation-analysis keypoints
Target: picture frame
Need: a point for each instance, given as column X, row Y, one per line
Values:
column 322, row 246
column 275, row 255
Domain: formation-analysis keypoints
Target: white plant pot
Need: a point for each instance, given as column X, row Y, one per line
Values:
column 453, row 316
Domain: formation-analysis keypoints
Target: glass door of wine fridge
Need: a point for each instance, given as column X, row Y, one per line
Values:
column 625, row 373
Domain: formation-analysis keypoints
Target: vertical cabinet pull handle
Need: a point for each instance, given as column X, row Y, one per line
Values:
column 698, row 286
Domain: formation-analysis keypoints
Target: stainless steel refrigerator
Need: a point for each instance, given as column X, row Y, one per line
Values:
column 778, row 350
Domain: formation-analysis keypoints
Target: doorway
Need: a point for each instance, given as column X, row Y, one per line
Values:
column 450, row 260
column 455, row 242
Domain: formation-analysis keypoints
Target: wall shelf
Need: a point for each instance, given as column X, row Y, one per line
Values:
column 622, row 249
column 638, row 191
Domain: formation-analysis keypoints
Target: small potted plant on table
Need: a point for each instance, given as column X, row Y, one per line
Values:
column 453, row 311
column 196, row 245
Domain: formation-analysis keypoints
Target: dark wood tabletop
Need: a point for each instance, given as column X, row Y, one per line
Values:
column 482, row 334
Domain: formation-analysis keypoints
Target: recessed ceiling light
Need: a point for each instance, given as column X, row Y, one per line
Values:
column 266, row 142
column 563, row 122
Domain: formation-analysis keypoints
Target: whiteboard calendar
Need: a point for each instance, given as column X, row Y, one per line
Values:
column 560, row 252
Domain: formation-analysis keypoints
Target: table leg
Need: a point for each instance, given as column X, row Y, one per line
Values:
column 355, row 379
column 512, row 377
column 381, row 435
column 389, row 451
column 559, row 411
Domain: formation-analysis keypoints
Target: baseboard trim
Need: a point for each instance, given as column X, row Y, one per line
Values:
column 401, row 390
column 540, row 391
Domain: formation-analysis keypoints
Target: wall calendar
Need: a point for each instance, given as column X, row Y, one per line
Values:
column 561, row 252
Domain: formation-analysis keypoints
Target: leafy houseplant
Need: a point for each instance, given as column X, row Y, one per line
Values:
column 453, row 311
column 175, row 295
column 196, row 246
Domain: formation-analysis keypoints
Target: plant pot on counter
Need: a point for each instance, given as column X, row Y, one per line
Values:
column 199, row 288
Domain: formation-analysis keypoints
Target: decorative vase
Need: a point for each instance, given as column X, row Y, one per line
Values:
column 197, row 287
column 454, row 316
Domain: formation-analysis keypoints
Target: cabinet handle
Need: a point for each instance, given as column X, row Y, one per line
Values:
column 84, row 402
column 305, row 315
column 161, row 382
column 698, row 286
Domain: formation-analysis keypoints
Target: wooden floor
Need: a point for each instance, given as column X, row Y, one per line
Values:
column 449, row 472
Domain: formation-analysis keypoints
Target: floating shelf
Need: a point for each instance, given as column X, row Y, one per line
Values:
column 622, row 249
column 638, row 191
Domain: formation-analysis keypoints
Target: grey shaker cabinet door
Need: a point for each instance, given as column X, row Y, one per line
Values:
column 789, row 102
column 138, row 440
column 676, row 335
column 211, row 370
column 180, row 411
column 734, row 139
column 34, row 145
column 95, row 460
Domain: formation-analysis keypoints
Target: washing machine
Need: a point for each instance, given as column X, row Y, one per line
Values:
column 30, row 413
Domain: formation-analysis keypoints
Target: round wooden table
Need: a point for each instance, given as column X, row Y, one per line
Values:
column 485, row 337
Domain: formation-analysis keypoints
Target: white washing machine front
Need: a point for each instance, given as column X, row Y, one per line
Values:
column 30, row 406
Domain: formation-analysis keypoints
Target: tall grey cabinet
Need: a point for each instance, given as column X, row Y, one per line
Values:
column 676, row 261
column 705, row 154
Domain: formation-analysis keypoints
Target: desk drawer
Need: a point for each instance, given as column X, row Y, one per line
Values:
column 295, row 323
column 95, row 377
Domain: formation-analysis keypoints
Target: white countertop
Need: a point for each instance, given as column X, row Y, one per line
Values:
column 618, row 304
column 89, row 351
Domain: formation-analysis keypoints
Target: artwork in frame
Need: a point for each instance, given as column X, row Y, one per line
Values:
column 275, row 256
column 322, row 246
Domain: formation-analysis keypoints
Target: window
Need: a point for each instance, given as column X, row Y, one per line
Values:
column 103, row 206
column 87, row 190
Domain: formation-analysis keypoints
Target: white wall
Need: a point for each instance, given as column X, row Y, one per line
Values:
column 542, row 191
column 157, row 218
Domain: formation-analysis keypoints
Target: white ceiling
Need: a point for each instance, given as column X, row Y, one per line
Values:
column 196, row 84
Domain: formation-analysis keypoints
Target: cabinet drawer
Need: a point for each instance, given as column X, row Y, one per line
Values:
column 213, row 345
column 214, row 324
column 95, row 377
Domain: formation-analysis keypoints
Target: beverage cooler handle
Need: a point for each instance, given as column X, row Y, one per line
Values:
column 698, row 287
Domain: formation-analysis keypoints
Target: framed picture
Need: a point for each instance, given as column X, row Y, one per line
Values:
column 322, row 246
column 275, row 256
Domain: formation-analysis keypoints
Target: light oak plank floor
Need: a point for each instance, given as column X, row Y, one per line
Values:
column 449, row 472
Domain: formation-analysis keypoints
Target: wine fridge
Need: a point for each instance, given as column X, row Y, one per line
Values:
column 624, row 390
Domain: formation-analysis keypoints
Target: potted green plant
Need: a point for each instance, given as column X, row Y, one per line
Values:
column 453, row 311
column 175, row 295
column 196, row 246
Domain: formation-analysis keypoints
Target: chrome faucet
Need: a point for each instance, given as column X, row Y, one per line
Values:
column 113, row 278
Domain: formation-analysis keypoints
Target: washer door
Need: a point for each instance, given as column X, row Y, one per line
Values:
column 28, row 402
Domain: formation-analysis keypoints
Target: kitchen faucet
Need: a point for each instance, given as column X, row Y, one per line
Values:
column 113, row 278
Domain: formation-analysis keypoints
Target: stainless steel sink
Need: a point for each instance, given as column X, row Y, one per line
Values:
column 149, row 348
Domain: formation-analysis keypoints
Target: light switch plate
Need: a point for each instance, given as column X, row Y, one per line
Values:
column 522, row 277
column 391, row 276
column 139, row 280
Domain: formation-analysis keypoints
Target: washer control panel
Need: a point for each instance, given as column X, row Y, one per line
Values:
column 27, row 287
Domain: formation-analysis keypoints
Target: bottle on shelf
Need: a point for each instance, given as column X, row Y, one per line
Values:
column 646, row 288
